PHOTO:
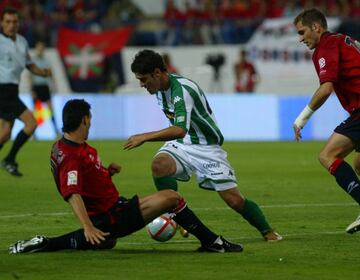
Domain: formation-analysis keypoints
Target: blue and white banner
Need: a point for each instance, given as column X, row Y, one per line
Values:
column 240, row 117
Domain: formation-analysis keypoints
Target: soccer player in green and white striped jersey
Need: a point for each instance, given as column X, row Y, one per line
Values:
column 193, row 140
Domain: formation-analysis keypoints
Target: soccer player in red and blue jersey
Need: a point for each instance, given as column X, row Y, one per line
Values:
column 86, row 184
column 337, row 62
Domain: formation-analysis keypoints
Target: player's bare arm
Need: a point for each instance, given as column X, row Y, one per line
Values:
column 318, row 99
column 45, row 72
column 167, row 134
column 92, row 234
column 321, row 95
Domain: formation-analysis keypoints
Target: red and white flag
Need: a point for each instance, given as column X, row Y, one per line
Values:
column 84, row 52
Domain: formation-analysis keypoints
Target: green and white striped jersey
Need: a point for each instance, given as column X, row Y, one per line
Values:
column 185, row 105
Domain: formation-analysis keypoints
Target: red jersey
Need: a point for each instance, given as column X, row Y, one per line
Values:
column 77, row 169
column 337, row 60
column 245, row 77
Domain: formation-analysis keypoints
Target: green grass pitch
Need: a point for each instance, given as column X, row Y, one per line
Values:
column 299, row 198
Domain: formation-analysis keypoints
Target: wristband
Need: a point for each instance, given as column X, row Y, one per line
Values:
column 304, row 116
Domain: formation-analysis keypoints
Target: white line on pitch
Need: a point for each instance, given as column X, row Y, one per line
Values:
column 300, row 205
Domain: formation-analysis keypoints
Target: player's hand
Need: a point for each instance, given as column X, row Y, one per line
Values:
column 47, row 72
column 114, row 168
column 94, row 235
column 134, row 141
column 297, row 133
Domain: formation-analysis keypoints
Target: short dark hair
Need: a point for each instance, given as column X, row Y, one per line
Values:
column 309, row 16
column 146, row 61
column 73, row 113
column 9, row 10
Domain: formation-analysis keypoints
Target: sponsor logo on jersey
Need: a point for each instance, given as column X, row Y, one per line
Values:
column 177, row 99
column 60, row 156
column 180, row 119
column 72, row 177
column 57, row 154
column 322, row 62
column 211, row 165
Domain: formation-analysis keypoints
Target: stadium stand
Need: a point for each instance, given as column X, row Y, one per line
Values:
column 177, row 23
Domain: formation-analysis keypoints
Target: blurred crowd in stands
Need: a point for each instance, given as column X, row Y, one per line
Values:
column 182, row 22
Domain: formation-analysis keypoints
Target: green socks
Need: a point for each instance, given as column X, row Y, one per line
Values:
column 164, row 183
column 253, row 214
column 251, row 211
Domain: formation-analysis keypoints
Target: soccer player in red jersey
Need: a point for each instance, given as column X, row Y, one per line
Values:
column 337, row 62
column 86, row 184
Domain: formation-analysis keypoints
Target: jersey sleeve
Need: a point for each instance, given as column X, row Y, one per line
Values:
column 70, row 177
column 328, row 62
column 28, row 60
column 183, row 105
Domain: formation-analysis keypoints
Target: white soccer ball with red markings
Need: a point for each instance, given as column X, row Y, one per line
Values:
column 163, row 228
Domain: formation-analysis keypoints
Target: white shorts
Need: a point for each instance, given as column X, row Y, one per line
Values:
column 209, row 162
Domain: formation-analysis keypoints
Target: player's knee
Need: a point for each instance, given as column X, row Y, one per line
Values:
column 33, row 126
column 4, row 137
column 159, row 168
column 323, row 159
column 235, row 202
column 30, row 127
column 172, row 198
column 107, row 244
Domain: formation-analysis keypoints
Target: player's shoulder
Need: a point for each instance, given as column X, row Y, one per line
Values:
column 176, row 78
column 178, row 81
column 66, row 148
column 21, row 39
column 329, row 42
column 330, row 38
column 57, row 153
column 4, row 40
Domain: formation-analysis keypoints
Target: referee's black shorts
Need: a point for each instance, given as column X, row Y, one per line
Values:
column 122, row 219
column 11, row 107
column 41, row 92
column 351, row 128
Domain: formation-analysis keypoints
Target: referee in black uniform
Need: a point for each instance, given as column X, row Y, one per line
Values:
column 14, row 57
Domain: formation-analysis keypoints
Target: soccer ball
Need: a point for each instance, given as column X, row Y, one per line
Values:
column 163, row 228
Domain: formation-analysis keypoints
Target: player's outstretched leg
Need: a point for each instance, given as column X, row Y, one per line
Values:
column 221, row 245
column 250, row 212
column 354, row 226
column 11, row 167
column 73, row 240
column 210, row 242
column 35, row 244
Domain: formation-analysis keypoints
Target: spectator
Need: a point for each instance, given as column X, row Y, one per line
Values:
column 292, row 8
column 122, row 13
column 355, row 8
column 246, row 76
column 169, row 66
column 175, row 22
column 87, row 14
